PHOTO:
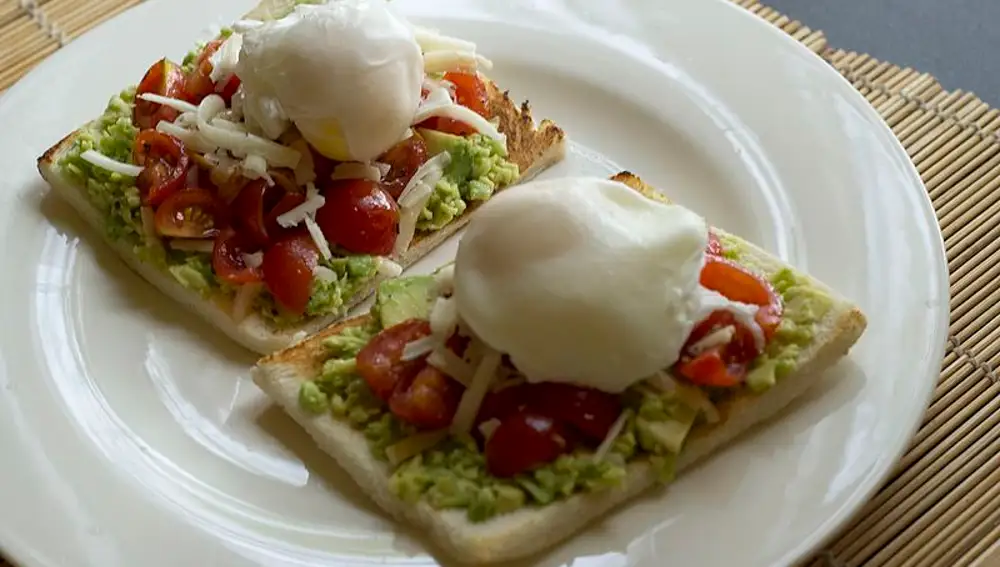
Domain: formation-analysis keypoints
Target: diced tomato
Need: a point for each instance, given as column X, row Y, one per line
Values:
column 524, row 441
column 714, row 245
column 470, row 92
column 248, row 210
column 428, row 401
column 404, row 159
column 380, row 364
column 199, row 84
column 191, row 213
column 165, row 164
column 448, row 126
column 163, row 78
column 590, row 411
column 228, row 262
column 360, row 217
column 288, row 270
column 288, row 202
column 738, row 284
column 711, row 369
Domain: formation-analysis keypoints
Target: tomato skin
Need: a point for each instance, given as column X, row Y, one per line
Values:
column 379, row 361
column 710, row 369
column 503, row 403
column 359, row 217
column 227, row 259
column 288, row 271
column 288, row 202
column 164, row 78
column 199, row 84
column 190, row 213
column 404, row 159
column 524, row 441
column 165, row 164
column 428, row 401
column 470, row 91
column 738, row 284
column 590, row 411
column 248, row 211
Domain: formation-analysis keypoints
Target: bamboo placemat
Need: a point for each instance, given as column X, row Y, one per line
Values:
column 941, row 506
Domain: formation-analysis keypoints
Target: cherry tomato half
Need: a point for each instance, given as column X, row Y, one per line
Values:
column 288, row 270
column 737, row 284
column 191, row 213
column 470, row 92
column 380, row 364
column 287, row 202
column 360, row 217
column 165, row 164
column 248, row 210
column 228, row 262
column 164, row 78
column 404, row 159
column 199, row 84
column 428, row 401
column 590, row 411
column 524, row 441
column 710, row 368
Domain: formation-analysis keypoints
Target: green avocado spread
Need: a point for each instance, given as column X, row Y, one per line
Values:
column 452, row 474
column 477, row 168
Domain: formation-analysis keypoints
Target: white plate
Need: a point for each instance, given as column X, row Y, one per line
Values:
column 131, row 436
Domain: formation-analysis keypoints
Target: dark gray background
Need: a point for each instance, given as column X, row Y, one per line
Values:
column 957, row 41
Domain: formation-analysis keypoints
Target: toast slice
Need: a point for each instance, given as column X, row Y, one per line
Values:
column 532, row 147
column 532, row 529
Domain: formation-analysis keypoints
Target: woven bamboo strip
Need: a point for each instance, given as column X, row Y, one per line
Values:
column 942, row 504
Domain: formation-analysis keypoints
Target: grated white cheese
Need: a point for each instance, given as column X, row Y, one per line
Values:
column 305, row 171
column 716, row 338
column 255, row 167
column 203, row 245
column 457, row 61
column 431, row 170
column 225, row 59
column 461, row 114
column 387, row 268
column 414, row 445
column 419, row 347
column 444, row 318
column 488, row 428
column 409, row 214
column 444, row 279
column 325, row 274
column 104, row 162
column 298, row 215
column 473, row 397
column 445, row 360
column 243, row 303
column 356, row 170
column 317, row 235
column 241, row 144
column 254, row 260
column 174, row 103
column 191, row 138
column 613, row 433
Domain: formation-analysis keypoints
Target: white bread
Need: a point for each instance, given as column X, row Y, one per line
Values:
column 531, row 530
column 532, row 147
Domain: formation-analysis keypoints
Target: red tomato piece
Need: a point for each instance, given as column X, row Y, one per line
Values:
column 590, row 411
column 164, row 78
column 228, row 262
column 360, row 217
column 470, row 92
column 714, row 245
column 404, row 159
column 288, row 271
column 503, row 403
column 524, row 441
column 165, row 164
column 199, row 84
column 191, row 213
column 711, row 369
column 428, row 401
column 380, row 364
column 737, row 284
column 448, row 126
column 248, row 211
column 288, row 202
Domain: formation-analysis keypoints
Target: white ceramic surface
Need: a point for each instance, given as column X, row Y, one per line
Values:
column 130, row 434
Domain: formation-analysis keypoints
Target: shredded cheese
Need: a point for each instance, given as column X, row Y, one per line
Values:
column 508, row 382
column 473, row 397
column 460, row 61
column 432, row 40
column 104, row 162
column 414, row 445
column 255, row 167
column 356, row 170
column 444, row 279
column 444, row 318
column 325, row 274
column 445, row 360
column 174, row 103
column 716, row 338
column 387, row 268
column 191, row 138
column 203, row 245
column 419, row 347
column 414, row 198
column 241, row 144
column 488, row 428
column 461, row 114
column 298, row 215
column 305, row 171
column 317, row 235
column 613, row 433
column 254, row 260
column 246, row 295
column 225, row 60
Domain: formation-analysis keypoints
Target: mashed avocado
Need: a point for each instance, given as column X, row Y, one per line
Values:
column 477, row 169
column 329, row 295
column 453, row 474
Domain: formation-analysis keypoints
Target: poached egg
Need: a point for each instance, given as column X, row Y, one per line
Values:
column 347, row 74
column 582, row 280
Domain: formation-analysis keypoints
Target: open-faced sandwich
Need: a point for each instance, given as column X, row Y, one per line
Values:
column 589, row 340
column 282, row 170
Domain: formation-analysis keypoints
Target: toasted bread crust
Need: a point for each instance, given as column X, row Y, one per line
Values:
column 531, row 530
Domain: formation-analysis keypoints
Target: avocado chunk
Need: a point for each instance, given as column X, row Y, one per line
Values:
column 402, row 299
column 438, row 142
